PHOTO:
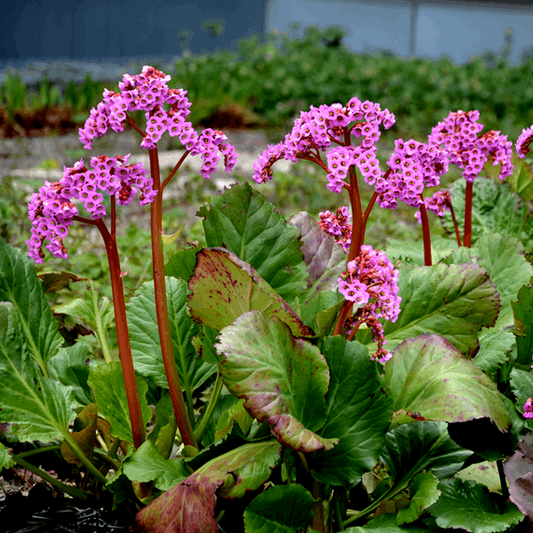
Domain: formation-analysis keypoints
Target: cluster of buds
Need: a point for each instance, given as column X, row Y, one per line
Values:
column 458, row 136
column 371, row 283
column 338, row 226
column 318, row 128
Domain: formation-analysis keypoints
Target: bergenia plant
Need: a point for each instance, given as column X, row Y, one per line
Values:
column 317, row 382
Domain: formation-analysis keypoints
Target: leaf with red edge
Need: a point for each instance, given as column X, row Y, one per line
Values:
column 519, row 472
column 223, row 287
column 283, row 379
column 189, row 507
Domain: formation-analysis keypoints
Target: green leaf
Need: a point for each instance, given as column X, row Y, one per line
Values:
column 424, row 493
column 385, row 523
column 169, row 239
column 164, row 431
column 325, row 261
column 523, row 313
column 454, row 301
column 277, row 375
column 20, row 286
column 522, row 387
column 495, row 209
column 192, row 501
column 89, row 310
column 521, row 180
column 236, row 414
column 145, row 464
column 429, row 376
column 39, row 408
column 144, row 337
column 503, row 259
column 485, row 473
column 358, row 414
column 181, row 263
column 494, row 348
column 245, row 223
column 224, row 287
column 107, row 381
column 467, row 505
column 70, row 368
column 411, row 253
column 5, row 458
column 411, row 448
column 280, row 509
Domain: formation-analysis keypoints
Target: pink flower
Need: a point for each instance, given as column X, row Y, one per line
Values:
column 458, row 136
column 528, row 408
column 524, row 141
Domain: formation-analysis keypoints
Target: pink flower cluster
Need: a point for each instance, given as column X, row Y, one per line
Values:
column 52, row 209
column 371, row 277
column 458, row 135
column 318, row 128
column 413, row 166
column 438, row 203
column 149, row 92
column 371, row 282
column 524, row 141
column 528, row 408
column 338, row 226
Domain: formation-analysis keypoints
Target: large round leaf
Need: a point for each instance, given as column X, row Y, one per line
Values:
column 282, row 379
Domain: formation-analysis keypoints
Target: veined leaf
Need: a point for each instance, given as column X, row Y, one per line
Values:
column 20, row 286
column 144, row 337
column 145, row 464
column 467, row 505
column 424, row 493
column 107, row 382
column 276, row 374
column 427, row 375
column 523, row 317
column 453, row 301
column 39, row 408
column 69, row 367
column 495, row 209
column 280, row 509
column 325, row 261
column 245, row 223
column 358, row 414
column 224, row 287
column 411, row 448
column 190, row 505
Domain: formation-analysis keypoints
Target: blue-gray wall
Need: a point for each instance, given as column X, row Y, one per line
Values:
column 425, row 28
column 103, row 29
column 115, row 30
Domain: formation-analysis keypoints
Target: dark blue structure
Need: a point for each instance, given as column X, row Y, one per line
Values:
column 95, row 30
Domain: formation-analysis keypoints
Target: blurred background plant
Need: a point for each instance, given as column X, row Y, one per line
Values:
column 267, row 81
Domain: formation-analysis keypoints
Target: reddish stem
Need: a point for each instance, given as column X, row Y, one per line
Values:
column 174, row 170
column 123, row 338
column 468, row 214
column 425, row 233
column 455, row 225
column 171, row 369
column 357, row 216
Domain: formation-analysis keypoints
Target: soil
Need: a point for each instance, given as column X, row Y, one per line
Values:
column 32, row 506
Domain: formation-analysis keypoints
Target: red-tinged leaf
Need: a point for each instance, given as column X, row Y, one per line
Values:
column 277, row 375
column 189, row 507
column 223, row 287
